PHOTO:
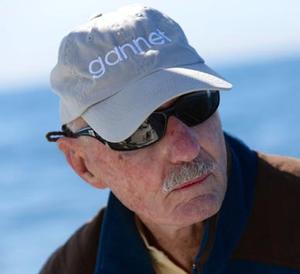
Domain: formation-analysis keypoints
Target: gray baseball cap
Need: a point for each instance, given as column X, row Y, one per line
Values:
column 116, row 69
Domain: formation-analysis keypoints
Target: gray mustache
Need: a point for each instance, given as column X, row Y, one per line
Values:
column 187, row 172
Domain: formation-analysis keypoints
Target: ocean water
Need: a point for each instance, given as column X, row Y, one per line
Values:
column 42, row 202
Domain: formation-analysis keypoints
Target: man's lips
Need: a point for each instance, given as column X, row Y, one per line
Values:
column 193, row 182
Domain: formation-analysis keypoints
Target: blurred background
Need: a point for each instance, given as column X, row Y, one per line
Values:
column 254, row 44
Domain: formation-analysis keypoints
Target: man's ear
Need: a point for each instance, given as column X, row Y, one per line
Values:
column 72, row 149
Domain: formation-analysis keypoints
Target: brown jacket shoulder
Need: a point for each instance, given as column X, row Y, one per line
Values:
column 78, row 254
column 272, row 235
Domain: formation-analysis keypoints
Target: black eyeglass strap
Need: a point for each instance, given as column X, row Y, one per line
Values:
column 53, row 136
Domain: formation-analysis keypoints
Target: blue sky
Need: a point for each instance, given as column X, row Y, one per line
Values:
column 223, row 32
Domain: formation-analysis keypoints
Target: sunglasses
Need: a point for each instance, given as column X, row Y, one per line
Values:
column 191, row 109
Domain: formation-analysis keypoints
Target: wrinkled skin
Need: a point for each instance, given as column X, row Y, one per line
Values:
column 136, row 177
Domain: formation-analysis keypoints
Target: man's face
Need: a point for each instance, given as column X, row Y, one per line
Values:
column 138, row 178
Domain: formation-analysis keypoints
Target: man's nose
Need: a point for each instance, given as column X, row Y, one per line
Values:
column 181, row 141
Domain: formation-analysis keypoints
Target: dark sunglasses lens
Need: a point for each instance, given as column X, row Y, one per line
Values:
column 191, row 109
column 196, row 108
column 148, row 133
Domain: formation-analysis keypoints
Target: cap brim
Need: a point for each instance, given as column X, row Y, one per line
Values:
column 118, row 116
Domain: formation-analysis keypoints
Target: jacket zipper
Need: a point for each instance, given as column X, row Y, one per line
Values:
column 195, row 270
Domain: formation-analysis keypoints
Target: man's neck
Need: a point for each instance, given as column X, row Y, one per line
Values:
column 180, row 244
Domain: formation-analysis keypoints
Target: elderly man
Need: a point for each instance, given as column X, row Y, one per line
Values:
column 139, row 113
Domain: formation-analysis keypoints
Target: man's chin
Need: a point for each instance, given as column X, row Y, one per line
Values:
column 197, row 210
